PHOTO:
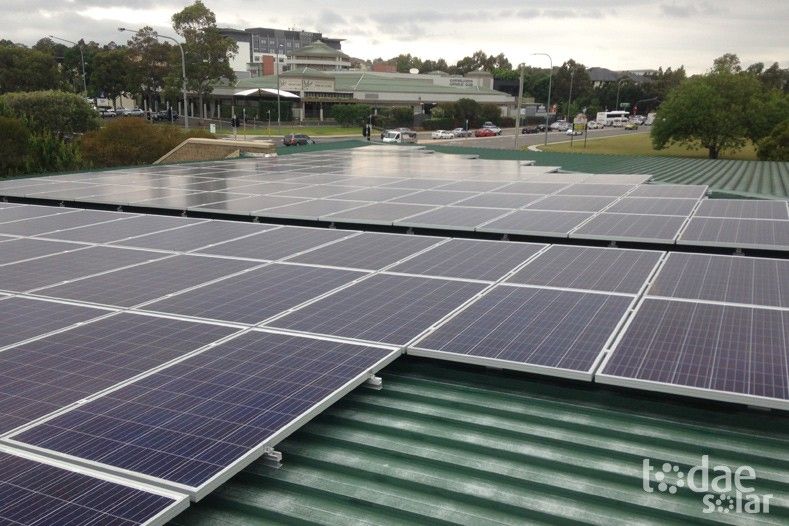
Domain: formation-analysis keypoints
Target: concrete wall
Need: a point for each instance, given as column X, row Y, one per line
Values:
column 196, row 149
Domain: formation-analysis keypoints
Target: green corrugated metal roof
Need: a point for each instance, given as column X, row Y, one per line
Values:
column 450, row 444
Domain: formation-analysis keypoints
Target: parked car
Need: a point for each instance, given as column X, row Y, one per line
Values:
column 631, row 126
column 107, row 113
column 638, row 119
column 135, row 112
column 485, row 132
column 442, row 134
column 399, row 137
column 297, row 139
column 593, row 125
column 461, row 132
column 531, row 129
column 490, row 126
column 559, row 126
column 164, row 115
column 571, row 131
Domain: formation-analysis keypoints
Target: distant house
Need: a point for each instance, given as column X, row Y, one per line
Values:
column 602, row 76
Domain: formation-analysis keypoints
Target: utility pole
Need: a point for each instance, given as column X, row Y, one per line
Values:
column 518, row 111
column 82, row 59
column 277, row 45
column 570, row 98
column 548, row 105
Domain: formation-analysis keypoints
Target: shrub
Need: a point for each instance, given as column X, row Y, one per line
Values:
column 125, row 142
column 15, row 144
column 57, row 112
column 506, row 122
column 350, row 114
column 775, row 147
column 49, row 153
column 438, row 124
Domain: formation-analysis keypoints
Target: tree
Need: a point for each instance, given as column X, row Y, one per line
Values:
column 714, row 110
column 111, row 73
column 775, row 147
column 14, row 143
column 24, row 69
column 150, row 63
column 571, row 72
column 207, row 51
column 55, row 112
column 727, row 63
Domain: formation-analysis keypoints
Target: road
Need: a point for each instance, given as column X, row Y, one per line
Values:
column 506, row 141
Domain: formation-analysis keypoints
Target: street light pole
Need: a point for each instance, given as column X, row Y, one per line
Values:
column 570, row 98
column 618, row 86
column 548, row 105
column 82, row 59
column 518, row 111
column 183, row 69
column 276, row 56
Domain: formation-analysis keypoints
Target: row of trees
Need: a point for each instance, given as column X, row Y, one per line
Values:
column 145, row 67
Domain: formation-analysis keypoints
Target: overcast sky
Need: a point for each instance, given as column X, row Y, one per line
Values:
column 618, row 34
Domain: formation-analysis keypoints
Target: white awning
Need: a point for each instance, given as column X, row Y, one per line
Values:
column 271, row 91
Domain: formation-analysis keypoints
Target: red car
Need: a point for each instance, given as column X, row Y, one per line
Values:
column 484, row 132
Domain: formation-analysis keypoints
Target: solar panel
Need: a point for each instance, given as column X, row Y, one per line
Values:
column 249, row 205
column 613, row 190
column 33, row 274
column 572, row 203
column 474, row 186
column 537, row 222
column 40, row 492
column 736, row 233
column 277, row 243
column 378, row 213
column 135, row 285
column 470, row 259
column 590, row 268
column 751, row 281
column 653, row 206
column 374, row 194
column 115, row 230
column 52, row 223
column 417, row 184
column 320, row 190
column 12, row 250
column 631, row 227
column 743, row 209
column 384, row 308
column 197, row 422
column 617, row 178
column 670, row 190
column 492, row 200
column 433, row 197
column 253, row 296
column 527, row 187
column 195, row 235
column 454, row 217
column 368, row 251
column 22, row 318
column 313, row 209
column 721, row 352
column 45, row 375
column 552, row 332
column 186, row 200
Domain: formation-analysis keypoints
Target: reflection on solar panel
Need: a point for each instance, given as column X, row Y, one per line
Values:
column 190, row 423
column 614, row 190
column 537, row 222
column 135, row 285
column 277, row 243
column 700, row 349
column 253, row 296
column 195, row 236
column 751, row 281
column 384, row 308
column 38, row 493
column 433, row 197
column 492, row 200
column 554, row 332
column 470, row 259
column 572, row 203
column 367, row 251
column 653, row 206
column 737, row 233
column 19, row 249
column 743, row 209
column 114, row 230
column 378, row 213
column 670, row 190
column 457, row 217
column 42, row 376
column 590, row 268
column 22, row 318
column 631, row 227
column 49, row 270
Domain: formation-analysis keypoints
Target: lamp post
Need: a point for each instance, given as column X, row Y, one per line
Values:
column 518, row 110
column 570, row 98
column 276, row 56
column 82, row 59
column 618, row 86
column 548, row 105
column 183, row 69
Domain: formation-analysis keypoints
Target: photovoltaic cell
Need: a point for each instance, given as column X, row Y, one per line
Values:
column 30, row 211
column 631, row 227
column 474, row 186
column 277, row 243
column 493, row 200
column 313, row 209
column 654, row 206
column 737, row 233
column 556, row 330
column 28, row 275
column 22, row 318
column 135, row 285
column 527, row 187
column 374, row 194
column 367, row 251
column 572, row 203
column 114, row 230
column 195, row 236
column 457, row 217
column 42, row 225
column 613, row 190
column 24, row 248
column 740, row 351
column 670, row 190
column 590, row 268
column 322, row 190
column 743, row 209
column 35, row 493
column 385, row 308
column 433, row 197
column 537, row 222
column 42, row 376
column 378, row 213
column 191, row 421
column 470, row 259
column 256, row 295
column 734, row 279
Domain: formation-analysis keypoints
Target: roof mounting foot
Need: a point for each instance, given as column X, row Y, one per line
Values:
column 256, row 219
column 332, row 225
column 409, row 231
column 505, row 237
column 119, row 209
column 272, row 458
column 612, row 244
column 374, row 382
column 738, row 252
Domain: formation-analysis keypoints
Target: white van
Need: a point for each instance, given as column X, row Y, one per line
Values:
column 399, row 137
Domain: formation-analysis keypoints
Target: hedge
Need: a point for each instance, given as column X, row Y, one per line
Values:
column 57, row 112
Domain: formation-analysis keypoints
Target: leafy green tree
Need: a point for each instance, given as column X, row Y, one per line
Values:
column 14, row 143
column 111, row 73
column 775, row 147
column 150, row 63
column 727, row 63
column 56, row 112
column 23, row 69
column 207, row 51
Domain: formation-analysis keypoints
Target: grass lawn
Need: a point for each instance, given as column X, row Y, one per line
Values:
column 316, row 131
column 640, row 144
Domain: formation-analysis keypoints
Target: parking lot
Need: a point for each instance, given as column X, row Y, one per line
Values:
column 506, row 141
